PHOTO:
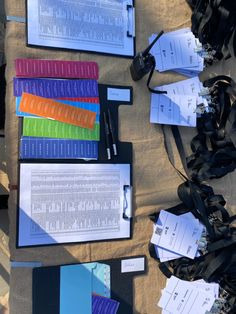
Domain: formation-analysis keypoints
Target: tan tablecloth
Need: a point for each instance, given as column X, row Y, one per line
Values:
column 155, row 181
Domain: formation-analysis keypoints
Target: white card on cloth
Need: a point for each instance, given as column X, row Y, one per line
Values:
column 183, row 297
column 118, row 94
column 132, row 264
column 191, row 86
column 165, row 254
column 175, row 51
column 174, row 110
column 177, row 234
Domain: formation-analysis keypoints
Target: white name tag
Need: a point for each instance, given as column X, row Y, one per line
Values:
column 118, row 94
column 133, row 264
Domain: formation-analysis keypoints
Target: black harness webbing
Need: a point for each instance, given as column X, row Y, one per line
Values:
column 214, row 147
column 217, row 262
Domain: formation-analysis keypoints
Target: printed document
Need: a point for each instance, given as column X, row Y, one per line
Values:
column 174, row 110
column 184, row 297
column 166, row 254
column 177, row 234
column 63, row 203
column 178, row 51
column 179, row 106
column 104, row 26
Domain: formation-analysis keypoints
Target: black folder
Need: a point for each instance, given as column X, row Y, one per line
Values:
column 46, row 287
column 124, row 148
column 124, row 157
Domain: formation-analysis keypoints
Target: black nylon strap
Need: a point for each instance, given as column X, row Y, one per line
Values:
column 219, row 127
column 165, row 269
column 180, row 147
column 216, row 265
column 182, row 176
column 221, row 244
column 154, row 91
column 201, row 210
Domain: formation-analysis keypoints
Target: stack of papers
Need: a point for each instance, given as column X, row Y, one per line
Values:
column 61, row 116
column 176, row 236
column 179, row 105
column 185, row 297
column 178, row 51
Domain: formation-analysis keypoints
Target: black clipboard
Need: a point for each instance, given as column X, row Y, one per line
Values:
column 46, row 287
column 130, row 35
column 125, row 154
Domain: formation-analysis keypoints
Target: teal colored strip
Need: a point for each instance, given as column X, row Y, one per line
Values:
column 19, row 19
column 75, row 290
column 15, row 264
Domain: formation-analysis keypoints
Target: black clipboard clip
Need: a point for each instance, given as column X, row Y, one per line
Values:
column 127, row 205
column 131, row 23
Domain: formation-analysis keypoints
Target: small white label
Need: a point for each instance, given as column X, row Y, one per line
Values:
column 118, row 94
column 132, row 264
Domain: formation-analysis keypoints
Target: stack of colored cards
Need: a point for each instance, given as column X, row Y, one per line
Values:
column 86, row 288
column 178, row 51
column 182, row 297
column 59, row 103
column 177, row 236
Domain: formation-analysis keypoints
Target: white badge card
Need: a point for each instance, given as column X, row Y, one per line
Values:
column 182, row 297
column 173, row 109
column 132, row 265
column 118, row 94
column 177, row 234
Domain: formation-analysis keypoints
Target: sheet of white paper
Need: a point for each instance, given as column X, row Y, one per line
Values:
column 178, row 54
column 174, row 234
column 188, row 87
column 119, row 94
column 211, row 288
column 175, row 51
column 99, row 25
column 191, row 86
column 197, row 68
column 187, row 72
column 132, row 265
column 62, row 203
column 165, row 254
column 173, row 109
column 183, row 297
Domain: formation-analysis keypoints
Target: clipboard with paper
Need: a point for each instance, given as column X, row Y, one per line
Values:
column 101, row 26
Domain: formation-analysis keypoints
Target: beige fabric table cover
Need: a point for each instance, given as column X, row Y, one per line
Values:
column 155, row 181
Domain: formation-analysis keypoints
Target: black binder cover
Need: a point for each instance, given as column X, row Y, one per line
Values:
column 46, row 287
column 125, row 153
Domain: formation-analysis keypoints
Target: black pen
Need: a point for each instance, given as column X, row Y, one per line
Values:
column 106, row 128
column 112, row 133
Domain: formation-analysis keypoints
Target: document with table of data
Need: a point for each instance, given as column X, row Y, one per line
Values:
column 103, row 26
column 66, row 203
